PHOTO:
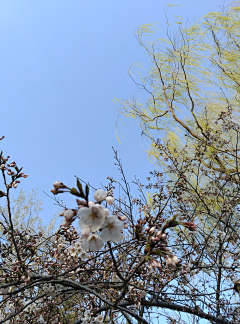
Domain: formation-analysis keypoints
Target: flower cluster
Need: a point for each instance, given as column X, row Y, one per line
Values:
column 93, row 217
column 51, row 290
column 70, row 253
column 88, row 319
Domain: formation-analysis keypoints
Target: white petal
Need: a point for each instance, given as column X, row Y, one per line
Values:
column 117, row 235
column 106, row 235
column 85, row 221
column 110, row 200
column 106, row 212
column 85, row 232
column 83, row 211
column 100, row 195
column 93, row 242
column 68, row 214
column 118, row 224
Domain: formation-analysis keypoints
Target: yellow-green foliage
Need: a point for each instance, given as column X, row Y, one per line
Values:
column 194, row 75
column 25, row 211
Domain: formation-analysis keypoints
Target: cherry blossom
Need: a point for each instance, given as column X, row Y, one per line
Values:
column 100, row 195
column 93, row 243
column 112, row 229
column 93, row 216
column 110, row 200
column 68, row 214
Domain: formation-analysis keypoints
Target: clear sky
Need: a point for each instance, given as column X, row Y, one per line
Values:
column 62, row 63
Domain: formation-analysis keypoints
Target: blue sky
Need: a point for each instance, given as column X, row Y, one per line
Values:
column 62, row 63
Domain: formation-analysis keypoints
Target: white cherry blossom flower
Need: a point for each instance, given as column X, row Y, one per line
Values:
column 100, row 195
column 112, row 229
column 78, row 244
column 58, row 287
column 49, row 290
column 115, row 278
column 83, row 255
column 68, row 214
column 110, row 200
column 85, row 320
column 62, row 259
column 93, row 216
column 61, row 245
column 87, row 314
column 93, row 243
column 72, row 250
column 99, row 319
column 79, row 250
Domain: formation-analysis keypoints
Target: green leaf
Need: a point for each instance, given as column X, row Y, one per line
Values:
column 86, row 191
column 74, row 192
column 79, row 185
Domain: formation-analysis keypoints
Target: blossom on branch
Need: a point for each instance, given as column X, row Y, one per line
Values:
column 68, row 214
column 93, row 216
column 85, row 231
column 110, row 200
column 58, row 185
column 93, row 243
column 100, row 195
column 112, row 229
column 189, row 225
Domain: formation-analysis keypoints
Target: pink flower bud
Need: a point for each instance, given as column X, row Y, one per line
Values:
column 163, row 236
column 154, row 264
column 56, row 191
column 189, row 225
column 175, row 259
column 159, row 234
column 147, row 229
column 122, row 218
column 58, row 185
column 172, row 261
column 125, row 225
column 81, row 202
column 152, row 230
column 155, row 239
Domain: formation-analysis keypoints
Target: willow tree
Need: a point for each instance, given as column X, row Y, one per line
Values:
column 191, row 110
column 192, row 88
